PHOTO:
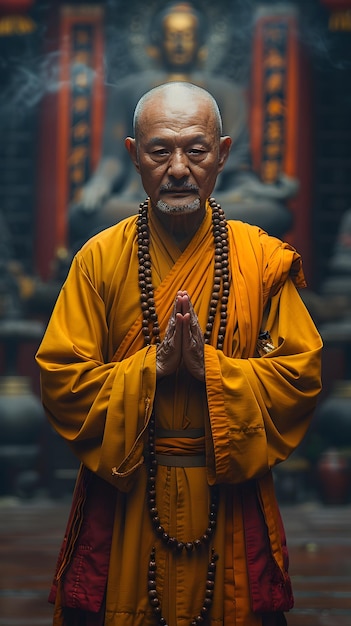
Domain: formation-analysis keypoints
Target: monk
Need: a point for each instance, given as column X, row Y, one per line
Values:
column 180, row 365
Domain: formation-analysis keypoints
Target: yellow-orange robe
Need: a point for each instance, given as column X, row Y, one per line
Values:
column 99, row 388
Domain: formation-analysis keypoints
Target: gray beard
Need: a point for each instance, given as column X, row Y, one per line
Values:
column 179, row 208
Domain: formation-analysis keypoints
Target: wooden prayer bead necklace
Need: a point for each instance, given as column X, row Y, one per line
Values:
column 172, row 543
column 150, row 325
column 151, row 329
column 207, row 603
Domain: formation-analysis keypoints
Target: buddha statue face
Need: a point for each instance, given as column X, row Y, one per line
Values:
column 180, row 42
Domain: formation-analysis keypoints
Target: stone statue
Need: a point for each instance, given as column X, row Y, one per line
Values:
column 331, row 306
column 178, row 38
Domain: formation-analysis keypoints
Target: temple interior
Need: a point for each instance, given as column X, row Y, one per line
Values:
column 70, row 76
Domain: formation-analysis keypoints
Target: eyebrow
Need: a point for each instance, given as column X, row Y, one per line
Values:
column 154, row 141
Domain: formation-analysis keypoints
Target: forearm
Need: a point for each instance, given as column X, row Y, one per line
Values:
column 259, row 409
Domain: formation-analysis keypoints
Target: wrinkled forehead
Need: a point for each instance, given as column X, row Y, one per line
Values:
column 176, row 103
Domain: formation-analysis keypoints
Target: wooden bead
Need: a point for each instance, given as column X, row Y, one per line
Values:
column 220, row 293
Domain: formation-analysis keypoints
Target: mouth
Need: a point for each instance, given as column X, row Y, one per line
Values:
column 179, row 192
column 179, row 195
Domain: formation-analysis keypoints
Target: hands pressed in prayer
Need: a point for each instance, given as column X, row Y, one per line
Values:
column 183, row 341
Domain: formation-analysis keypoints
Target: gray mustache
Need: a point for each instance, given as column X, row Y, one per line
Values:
column 182, row 187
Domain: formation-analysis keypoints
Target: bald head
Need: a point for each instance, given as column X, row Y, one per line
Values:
column 178, row 150
column 181, row 93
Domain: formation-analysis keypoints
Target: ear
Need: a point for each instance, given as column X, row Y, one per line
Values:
column 225, row 144
column 131, row 147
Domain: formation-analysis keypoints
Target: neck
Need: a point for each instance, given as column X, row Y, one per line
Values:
column 175, row 76
column 181, row 226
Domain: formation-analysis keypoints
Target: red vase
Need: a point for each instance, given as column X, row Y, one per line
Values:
column 334, row 477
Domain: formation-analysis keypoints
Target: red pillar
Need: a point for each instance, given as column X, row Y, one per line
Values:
column 280, row 123
column 71, row 123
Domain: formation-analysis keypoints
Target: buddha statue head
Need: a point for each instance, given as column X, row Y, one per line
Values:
column 178, row 35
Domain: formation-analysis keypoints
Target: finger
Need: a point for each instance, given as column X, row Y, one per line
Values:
column 178, row 303
column 187, row 334
column 169, row 351
column 178, row 332
column 194, row 319
column 193, row 350
column 177, row 308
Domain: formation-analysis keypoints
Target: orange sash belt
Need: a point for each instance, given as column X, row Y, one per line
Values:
column 181, row 448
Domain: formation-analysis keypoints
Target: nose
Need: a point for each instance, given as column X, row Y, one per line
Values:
column 179, row 43
column 178, row 164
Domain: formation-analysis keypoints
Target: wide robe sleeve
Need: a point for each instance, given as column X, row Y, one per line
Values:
column 99, row 406
column 260, row 408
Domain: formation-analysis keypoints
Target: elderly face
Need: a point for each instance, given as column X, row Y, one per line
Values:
column 178, row 152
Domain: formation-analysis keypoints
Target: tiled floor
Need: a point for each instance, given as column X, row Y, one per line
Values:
column 319, row 539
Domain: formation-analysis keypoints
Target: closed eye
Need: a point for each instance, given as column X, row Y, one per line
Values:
column 160, row 152
column 196, row 151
